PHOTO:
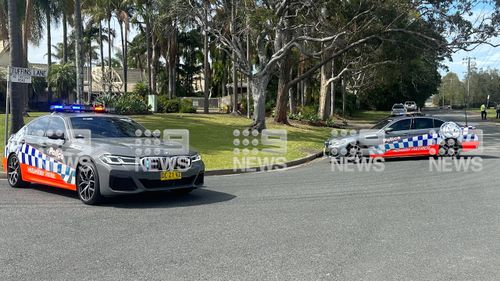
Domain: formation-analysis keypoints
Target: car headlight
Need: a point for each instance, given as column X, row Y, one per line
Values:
column 117, row 160
column 196, row 158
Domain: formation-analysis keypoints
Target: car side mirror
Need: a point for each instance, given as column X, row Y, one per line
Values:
column 388, row 130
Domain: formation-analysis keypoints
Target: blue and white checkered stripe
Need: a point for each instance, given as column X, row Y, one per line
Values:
column 418, row 141
column 33, row 157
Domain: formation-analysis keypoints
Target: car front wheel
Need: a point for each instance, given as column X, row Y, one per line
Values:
column 14, row 175
column 87, row 182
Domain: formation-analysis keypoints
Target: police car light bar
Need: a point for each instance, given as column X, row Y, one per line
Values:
column 77, row 108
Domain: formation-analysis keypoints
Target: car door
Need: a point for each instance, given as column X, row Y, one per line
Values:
column 56, row 137
column 35, row 133
column 421, row 126
column 398, row 130
column 64, row 156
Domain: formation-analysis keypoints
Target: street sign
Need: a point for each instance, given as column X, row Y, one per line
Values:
column 23, row 75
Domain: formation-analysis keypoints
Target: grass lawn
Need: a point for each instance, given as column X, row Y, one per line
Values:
column 212, row 135
column 369, row 115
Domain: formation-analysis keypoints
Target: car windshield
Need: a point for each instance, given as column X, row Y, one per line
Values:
column 107, row 127
column 381, row 124
column 398, row 106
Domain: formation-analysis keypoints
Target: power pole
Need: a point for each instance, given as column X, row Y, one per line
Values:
column 468, row 87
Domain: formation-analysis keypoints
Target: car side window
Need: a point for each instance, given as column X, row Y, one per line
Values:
column 422, row 123
column 56, row 127
column 438, row 123
column 38, row 127
column 402, row 125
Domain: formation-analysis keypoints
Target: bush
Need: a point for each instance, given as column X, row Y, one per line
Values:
column 141, row 89
column 131, row 104
column 306, row 113
column 186, row 106
column 166, row 105
column 106, row 99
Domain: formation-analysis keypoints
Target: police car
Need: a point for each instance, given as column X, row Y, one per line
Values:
column 97, row 155
column 405, row 136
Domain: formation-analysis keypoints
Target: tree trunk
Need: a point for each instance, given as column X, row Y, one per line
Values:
column 16, row 60
column 205, row 60
column 332, row 92
column 65, row 38
column 49, row 47
column 110, row 45
column 26, row 29
column 148, row 51
column 259, row 88
column 89, row 77
column 101, row 51
column 125, row 55
column 78, row 52
column 233, row 57
column 155, row 57
column 283, row 89
column 172, row 63
column 324, row 93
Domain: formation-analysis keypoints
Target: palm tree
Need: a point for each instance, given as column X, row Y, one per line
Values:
column 51, row 14
column 16, row 101
column 123, row 10
column 62, row 77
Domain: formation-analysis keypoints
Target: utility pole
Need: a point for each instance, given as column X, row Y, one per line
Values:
column 468, row 87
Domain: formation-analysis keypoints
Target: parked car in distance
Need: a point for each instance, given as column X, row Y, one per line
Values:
column 411, row 106
column 398, row 109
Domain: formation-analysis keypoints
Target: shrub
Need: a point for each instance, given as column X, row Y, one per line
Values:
column 106, row 99
column 131, row 104
column 141, row 89
column 186, row 106
column 166, row 105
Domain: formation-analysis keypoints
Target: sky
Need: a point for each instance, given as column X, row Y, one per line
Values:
column 484, row 56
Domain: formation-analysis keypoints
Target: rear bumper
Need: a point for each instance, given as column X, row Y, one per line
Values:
column 116, row 180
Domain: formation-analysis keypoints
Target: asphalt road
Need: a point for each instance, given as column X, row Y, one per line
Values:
column 407, row 222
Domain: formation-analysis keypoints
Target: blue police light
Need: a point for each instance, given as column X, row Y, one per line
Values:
column 57, row 107
column 76, row 107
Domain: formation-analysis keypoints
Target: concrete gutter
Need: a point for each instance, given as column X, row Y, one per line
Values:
column 293, row 163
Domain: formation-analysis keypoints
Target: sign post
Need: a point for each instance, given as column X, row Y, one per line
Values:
column 18, row 75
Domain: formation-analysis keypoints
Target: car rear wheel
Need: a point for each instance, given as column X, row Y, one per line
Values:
column 87, row 182
column 14, row 175
column 449, row 148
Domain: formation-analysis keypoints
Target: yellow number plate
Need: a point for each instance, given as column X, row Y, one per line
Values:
column 170, row 175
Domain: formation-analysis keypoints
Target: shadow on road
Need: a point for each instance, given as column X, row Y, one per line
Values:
column 149, row 199
column 167, row 200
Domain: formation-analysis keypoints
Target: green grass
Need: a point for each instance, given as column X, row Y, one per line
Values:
column 369, row 115
column 212, row 135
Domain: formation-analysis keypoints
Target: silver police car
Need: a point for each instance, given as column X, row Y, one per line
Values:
column 405, row 136
column 99, row 155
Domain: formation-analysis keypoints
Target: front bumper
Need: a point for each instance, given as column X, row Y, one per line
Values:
column 124, row 179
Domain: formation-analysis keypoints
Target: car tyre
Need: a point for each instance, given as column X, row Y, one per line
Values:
column 14, row 176
column 87, row 183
